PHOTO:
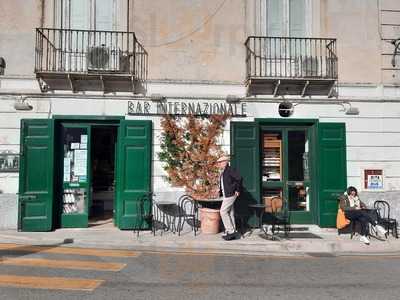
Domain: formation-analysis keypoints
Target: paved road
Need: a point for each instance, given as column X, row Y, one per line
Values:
column 59, row 273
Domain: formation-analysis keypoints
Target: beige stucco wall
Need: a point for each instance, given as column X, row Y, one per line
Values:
column 192, row 40
column 355, row 25
column 203, row 40
column 18, row 18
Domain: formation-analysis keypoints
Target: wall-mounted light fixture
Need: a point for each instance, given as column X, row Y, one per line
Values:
column 286, row 109
column 396, row 44
column 232, row 99
column 157, row 97
column 22, row 104
column 350, row 110
column 2, row 65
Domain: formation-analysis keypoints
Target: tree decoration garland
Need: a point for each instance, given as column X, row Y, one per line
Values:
column 190, row 150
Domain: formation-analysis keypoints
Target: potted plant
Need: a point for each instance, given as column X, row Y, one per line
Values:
column 189, row 151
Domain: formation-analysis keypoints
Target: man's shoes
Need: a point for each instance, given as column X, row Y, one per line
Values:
column 364, row 239
column 380, row 230
column 231, row 236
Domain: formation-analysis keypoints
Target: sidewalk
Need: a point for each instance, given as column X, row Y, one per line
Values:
column 308, row 240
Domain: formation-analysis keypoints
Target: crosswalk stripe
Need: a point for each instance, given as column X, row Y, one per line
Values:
column 54, row 283
column 70, row 250
column 64, row 264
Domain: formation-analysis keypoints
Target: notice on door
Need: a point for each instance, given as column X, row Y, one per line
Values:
column 67, row 169
column 80, row 163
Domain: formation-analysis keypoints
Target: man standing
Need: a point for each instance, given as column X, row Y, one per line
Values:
column 230, row 186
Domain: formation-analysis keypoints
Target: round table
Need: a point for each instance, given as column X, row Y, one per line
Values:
column 168, row 211
column 259, row 209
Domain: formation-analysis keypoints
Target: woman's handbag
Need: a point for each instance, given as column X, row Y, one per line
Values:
column 341, row 221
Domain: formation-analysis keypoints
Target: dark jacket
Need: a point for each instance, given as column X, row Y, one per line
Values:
column 345, row 203
column 232, row 182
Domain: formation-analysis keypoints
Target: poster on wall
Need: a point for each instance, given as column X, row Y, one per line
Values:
column 373, row 179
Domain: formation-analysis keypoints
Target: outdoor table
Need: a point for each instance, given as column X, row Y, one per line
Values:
column 167, row 209
column 259, row 209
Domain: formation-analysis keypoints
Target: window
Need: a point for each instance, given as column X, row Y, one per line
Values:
column 86, row 14
column 287, row 18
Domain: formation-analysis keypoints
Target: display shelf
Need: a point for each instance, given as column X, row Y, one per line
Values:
column 73, row 201
column 272, row 157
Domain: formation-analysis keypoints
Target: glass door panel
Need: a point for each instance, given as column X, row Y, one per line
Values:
column 75, row 193
column 298, row 170
column 272, row 156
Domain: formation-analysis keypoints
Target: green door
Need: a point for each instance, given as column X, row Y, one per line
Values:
column 36, row 188
column 133, row 176
column 245, row 157
column 332, row 170
column 286, row 170
column 75, row 198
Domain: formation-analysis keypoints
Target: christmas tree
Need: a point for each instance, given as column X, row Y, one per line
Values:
column 190, row 150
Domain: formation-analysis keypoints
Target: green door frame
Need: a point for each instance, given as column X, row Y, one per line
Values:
column 312, row 126
column 298, row 217
column 75, row 121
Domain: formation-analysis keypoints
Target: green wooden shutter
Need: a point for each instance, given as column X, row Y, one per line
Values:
column 36, row 190
column 332, row 170
column 133, row 170
column 245, row 157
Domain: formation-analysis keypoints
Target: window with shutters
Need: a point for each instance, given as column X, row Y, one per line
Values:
column 86, row 14
column 286, row 18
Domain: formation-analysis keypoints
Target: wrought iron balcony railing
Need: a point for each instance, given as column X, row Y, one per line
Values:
column 288, row 57
column 291, row 66
column 90, row 52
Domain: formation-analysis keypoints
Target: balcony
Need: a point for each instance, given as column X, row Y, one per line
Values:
column 282, row 66
column 88, row 60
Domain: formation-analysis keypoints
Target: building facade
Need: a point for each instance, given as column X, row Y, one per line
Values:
column 86, row 82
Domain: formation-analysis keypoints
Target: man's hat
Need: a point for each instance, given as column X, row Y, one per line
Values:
column 223, row 158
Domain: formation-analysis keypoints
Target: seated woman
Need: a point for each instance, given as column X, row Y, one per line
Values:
column 354, row 210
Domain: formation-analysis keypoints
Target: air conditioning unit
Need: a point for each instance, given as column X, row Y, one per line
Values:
column 105, row 59
column 98, row 58
column 310, row 67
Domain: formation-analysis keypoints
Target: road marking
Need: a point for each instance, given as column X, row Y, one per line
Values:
column 64, row 264
column 50, row 283
column 70, row 250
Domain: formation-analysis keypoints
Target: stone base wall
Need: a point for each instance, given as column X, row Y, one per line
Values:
column 8, row 211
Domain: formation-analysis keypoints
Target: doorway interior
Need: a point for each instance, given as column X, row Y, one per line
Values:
column 103, row 156
column 286, row 170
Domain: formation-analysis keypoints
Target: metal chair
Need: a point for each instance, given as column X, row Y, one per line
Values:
column 144, row 214
column 187, row 211
column 384, row 219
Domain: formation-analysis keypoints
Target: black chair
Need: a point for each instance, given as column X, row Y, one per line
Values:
column 384, row 219
column 187, row 211
column 144, row 214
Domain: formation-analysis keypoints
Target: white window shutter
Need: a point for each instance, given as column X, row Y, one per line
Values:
column 297, row 18
column 104, row 14
column 80, row 14
column 275, row 18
